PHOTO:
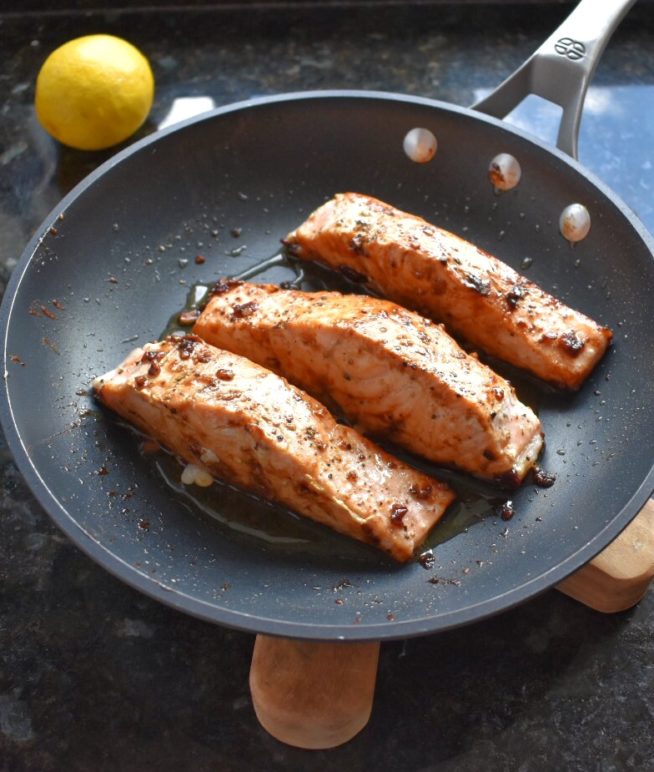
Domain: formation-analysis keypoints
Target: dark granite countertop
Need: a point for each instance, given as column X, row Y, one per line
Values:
column 94, row 676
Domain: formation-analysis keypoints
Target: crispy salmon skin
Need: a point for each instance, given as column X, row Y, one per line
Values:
column 443, row 276
column 248, row 426
column 392, row 372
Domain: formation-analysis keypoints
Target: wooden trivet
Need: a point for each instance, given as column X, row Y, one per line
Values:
column 319, row 694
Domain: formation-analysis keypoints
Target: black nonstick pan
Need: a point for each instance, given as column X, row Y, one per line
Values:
column 115, row 260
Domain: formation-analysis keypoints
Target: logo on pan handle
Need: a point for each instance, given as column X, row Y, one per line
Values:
column 571, row 49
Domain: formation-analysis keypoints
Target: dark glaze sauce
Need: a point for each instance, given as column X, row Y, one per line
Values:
column 274, row 527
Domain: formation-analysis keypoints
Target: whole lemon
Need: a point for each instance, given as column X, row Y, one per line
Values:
column 94, row 92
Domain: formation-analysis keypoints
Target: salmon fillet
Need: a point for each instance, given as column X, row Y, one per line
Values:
column 392, row 372
column 439, row 274
column 248, row 426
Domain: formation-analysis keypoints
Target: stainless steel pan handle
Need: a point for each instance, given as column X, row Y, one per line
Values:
column 561, row 69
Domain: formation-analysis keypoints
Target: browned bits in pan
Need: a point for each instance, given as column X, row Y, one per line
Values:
column 544, row 479
column 505, row 510
column 427, row 560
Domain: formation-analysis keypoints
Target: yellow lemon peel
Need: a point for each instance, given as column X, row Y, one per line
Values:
column 94, row 92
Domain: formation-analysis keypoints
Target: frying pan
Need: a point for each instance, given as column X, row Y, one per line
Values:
column 115, row 260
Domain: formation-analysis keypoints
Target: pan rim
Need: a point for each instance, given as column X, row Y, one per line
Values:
column 240, row 620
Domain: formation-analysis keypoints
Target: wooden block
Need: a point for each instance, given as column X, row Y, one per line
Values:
column 313, row 694
column 619, row 576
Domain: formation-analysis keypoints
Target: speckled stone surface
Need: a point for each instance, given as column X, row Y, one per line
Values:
column 94, row 676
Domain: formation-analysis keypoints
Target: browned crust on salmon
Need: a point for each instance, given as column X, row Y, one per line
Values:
column 476, row 295
column 248, row 426
column 393, row 373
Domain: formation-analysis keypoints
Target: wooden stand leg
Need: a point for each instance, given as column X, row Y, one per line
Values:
column 619, row 576
column 313, row 694
column 319, row 695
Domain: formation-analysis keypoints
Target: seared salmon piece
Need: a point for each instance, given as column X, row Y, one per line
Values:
column 392, row 372
column 439, row 274
column 248, row 426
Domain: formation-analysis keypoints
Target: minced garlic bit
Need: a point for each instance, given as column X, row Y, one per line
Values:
column 420, row 145
column 196, row 475
column 574, row 222
column 504, row 172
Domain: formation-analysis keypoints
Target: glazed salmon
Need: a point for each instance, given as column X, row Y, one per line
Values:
column 392, row 372
column 248, row 426
column 443, row 276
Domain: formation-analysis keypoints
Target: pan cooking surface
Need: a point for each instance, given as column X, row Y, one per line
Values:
column 117, row 258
